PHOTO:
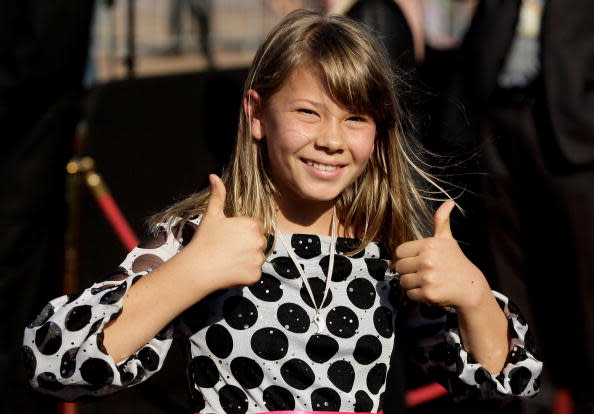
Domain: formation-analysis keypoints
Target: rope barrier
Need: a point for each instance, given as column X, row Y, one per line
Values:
column 424, row 394
column 106, row 202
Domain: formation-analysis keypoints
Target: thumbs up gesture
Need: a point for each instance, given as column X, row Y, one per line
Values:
column 228, row 251
column 435, row 271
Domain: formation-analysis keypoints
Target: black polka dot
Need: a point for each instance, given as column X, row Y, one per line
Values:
column 342, row 267
column 116, row 314
column 268, row 288
column 382, row 320
column 68, row 363
column 317, row 286
column 155, row 239
column 306, row 246
column 98, row 289
column 519, row 378
column 96, row 371
column 219, row 341
column 342, row 322
column 293, row 317
column 363, row 404
column 277, row 398
column 342, row 375
column 140, row 375
column 367, row 350
column 72, row 297
column 77, row 318
column 481, row 375
column 298, row 374
column 44, row 315
column 517, row 355
column 146, row 263
column 126, row 377
column 48, row 338
column 376, row 378
column 197, row 399
column 30, row 361
column 345, row 245
column 239, row 312
column 361, row 293
column 285, row 267
column 149, row 358
column 203, row 372
column 320, row 348
column 196, row 317
column 377, row 268
column 48, row 381
column 118, row 274
column 94, row 327
column 115, row 295
column 247, row 372
column 325, row 399
column 384, row 253
column 186, row 234
column 270, row 344
column 233, row 400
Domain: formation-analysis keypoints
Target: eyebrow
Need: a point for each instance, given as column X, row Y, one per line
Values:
column 314, row 103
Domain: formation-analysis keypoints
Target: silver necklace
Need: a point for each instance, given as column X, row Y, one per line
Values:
column 318, row 318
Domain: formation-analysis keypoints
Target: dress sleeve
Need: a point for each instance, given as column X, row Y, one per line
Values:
column 63, row 347
column 433, row 339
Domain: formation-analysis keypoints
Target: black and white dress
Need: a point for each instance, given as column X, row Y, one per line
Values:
column 256, row 348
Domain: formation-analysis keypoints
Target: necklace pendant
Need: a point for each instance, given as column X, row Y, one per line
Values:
column 319, row 320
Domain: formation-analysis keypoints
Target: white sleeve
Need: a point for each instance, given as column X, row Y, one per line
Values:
column 63, row 346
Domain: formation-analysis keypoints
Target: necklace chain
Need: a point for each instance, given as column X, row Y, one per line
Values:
column 318, row 318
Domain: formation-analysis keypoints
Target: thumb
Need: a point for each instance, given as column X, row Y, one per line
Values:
column 442, row 220
column 216, row 200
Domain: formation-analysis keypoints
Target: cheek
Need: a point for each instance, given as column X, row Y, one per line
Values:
column 362, row 149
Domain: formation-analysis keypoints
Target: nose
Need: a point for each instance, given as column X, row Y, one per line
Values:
column 330, row 137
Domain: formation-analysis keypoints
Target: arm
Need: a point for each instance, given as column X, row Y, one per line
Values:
column 223, row 253
column 76, row 341
column 434, row 271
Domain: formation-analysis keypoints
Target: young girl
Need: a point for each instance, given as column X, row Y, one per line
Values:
column 290, row 278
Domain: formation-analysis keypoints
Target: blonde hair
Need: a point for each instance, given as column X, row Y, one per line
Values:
column 383, row 204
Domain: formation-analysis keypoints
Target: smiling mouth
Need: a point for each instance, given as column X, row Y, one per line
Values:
column 322, row 167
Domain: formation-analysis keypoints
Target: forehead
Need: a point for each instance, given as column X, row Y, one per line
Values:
column 306, row 84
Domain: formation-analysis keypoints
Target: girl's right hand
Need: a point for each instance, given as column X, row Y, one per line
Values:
column 229, row 251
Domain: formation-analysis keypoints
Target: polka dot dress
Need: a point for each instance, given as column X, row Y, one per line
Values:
column 256, row 348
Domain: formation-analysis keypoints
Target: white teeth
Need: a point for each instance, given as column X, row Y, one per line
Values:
column 322, row 167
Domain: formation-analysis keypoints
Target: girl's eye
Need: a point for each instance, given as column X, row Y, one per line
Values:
column 358, row 118
column 306, row 111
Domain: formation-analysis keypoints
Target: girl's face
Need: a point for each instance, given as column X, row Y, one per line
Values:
column 316, row 148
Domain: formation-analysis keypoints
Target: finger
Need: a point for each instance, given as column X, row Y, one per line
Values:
column 442, row 220
column 216, row 200
column 407, row 265
column 409, row 249
column 416, row 295
column 410, row 281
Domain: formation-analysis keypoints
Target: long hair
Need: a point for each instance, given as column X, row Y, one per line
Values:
column 383, row 204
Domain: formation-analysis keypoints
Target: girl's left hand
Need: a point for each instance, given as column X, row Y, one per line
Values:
column 435, row 271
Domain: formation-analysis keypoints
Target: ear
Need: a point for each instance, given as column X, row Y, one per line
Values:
column 252, row 106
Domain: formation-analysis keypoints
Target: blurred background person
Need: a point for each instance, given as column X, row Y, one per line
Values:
column 524, row 77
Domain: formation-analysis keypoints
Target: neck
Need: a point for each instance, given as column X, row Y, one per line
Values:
column 316, row 218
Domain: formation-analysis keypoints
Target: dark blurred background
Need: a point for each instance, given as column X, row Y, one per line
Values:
column 502, row 90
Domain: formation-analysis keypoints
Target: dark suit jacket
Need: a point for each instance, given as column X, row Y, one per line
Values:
column 565, row 87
